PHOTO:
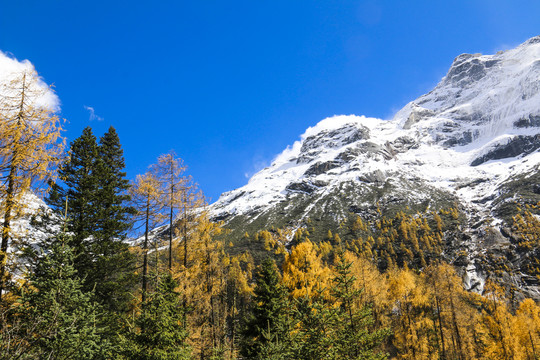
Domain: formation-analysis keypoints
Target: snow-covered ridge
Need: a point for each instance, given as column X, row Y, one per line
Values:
column 478, row 127
column 483, row 95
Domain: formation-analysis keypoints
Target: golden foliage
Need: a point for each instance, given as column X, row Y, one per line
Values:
column 404, row 240
column 30, row 148
column 304, row 272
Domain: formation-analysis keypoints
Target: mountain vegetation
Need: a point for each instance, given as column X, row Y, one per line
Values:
column 113, row 269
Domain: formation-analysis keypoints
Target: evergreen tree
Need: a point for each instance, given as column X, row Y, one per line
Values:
column 114, row 265
column 59, row 317
column 268, row 328
column 314, row 341
column 114, row 215
column 335, row 325
column 160, row 334
column 273, row 346
column 93, row 181
column 352, row 322
column 79, row 184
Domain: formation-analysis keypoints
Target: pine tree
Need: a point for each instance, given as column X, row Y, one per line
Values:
column 268, row 328
column 79, row 183
column 275, row 346
column 313, row 341
column 113, row 272
column 30, row 148
column 114, row 212
column 354, row 336
column 159, row 333
column 93, row 181
column 60, row 317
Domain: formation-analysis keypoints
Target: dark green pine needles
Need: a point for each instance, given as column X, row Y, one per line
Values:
column 94, row 184
column 159, row 333
column 58, row 318
column 267, row 334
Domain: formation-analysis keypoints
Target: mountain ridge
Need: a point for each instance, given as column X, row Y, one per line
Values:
column 468, row 142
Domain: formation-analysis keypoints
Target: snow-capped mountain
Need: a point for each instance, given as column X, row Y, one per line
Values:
column 472, row 140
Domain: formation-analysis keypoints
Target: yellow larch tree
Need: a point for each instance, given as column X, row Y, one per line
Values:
column 304, row 271
column 495, row 327
column 526, row 328
column 238, row 294
column 454, row 313
column 147, row 200
column 203, row 282
column 412, row 324
column 174, row 186
column 217, row 288
column 374, row 287
column 31, row 146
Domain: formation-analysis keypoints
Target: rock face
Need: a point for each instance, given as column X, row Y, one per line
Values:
column 473, row 141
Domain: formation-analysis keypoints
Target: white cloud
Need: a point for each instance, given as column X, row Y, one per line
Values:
column 11, row 68
column 93, row 115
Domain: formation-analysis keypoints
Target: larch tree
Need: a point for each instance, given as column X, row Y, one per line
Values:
column 500, row 342
column 453, row 315
column 374, row 284
column 170, row 169
column 188, row 221
column 145, row 194
column 412, row 325
column 31, row 146
column 238, row 294
column 305, row 272
column 203, row 282
column 527, row 328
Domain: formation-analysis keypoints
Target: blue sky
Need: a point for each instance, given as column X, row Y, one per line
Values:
column 229, row 84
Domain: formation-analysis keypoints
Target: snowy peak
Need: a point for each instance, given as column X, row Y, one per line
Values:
column 481, row 97
column 469, row 67
column 478, row 128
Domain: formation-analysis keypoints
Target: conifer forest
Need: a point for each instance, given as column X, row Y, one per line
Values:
column 108, row 268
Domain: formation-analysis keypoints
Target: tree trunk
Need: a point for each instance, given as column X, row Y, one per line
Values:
column 145, row 252
column 171, row 222
column 440, row 328
column 185, row 258
column 8, row 216
column 455, row 323
column 532, row 345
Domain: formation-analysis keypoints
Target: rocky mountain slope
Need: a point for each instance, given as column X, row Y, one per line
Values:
column 472, row 143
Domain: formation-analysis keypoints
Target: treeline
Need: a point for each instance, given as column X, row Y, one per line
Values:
column 78, row 288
